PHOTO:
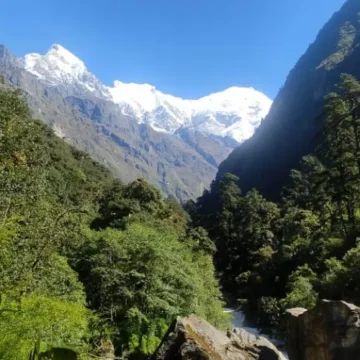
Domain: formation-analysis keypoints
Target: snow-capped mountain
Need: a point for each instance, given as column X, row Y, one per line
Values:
column 60, row 67
column 235, row 112
column 134, row 129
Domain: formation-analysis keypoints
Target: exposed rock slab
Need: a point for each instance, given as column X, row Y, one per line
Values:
column 330, row 331
column 194, row 338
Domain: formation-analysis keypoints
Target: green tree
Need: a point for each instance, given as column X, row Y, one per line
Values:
column 341, row 154
column 39, row 318
column 144, row 276
column 301, row 292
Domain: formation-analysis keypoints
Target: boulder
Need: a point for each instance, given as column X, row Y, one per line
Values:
column 194, row 338
column 330, row 331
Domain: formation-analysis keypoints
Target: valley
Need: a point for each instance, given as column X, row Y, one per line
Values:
column 140, row 225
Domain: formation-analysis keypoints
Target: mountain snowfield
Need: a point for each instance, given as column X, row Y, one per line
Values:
column 235, row 112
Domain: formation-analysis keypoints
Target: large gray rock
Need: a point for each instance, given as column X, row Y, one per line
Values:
column 194, row 338
column 330, row 331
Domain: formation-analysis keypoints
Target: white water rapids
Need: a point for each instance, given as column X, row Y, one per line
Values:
column 239, row 321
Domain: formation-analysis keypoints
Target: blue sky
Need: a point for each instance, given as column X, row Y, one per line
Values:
column 188, row 48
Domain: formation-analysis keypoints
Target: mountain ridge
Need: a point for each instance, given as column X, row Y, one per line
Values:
column 182, row 163
column 291, row 128
column 234, row 112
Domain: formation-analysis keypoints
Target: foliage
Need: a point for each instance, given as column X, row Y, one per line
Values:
column 143, row 276
column 34, row 318
column 269, row 313
column 300, row 289
column 85, row 259
column 277, row 256
column 44, row 351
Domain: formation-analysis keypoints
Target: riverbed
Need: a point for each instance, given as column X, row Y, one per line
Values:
column 239, row 321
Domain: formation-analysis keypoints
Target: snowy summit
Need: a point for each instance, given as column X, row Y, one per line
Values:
column 56, row 65
column 235, row 112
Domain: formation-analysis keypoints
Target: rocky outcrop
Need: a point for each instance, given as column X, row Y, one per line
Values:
column 330, row 331
column 194, row 338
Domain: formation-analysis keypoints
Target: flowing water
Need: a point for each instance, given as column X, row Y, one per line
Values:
column 239, row 321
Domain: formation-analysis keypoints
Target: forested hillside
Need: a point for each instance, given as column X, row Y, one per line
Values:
column 304, row 245
column 274, row 256
column 293, row 127
column 85, row 259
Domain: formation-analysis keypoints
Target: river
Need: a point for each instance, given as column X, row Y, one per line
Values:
column 239, row 321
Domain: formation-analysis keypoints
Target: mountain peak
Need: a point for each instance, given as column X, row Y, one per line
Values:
column 58, row 65
column 66, row 57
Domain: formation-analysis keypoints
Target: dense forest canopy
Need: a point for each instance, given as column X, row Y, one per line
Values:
column 273, row 256
column 85, row 259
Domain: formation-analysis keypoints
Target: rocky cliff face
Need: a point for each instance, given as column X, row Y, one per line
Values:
column 291, row 128
column 194, row 338
column 330, row 331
